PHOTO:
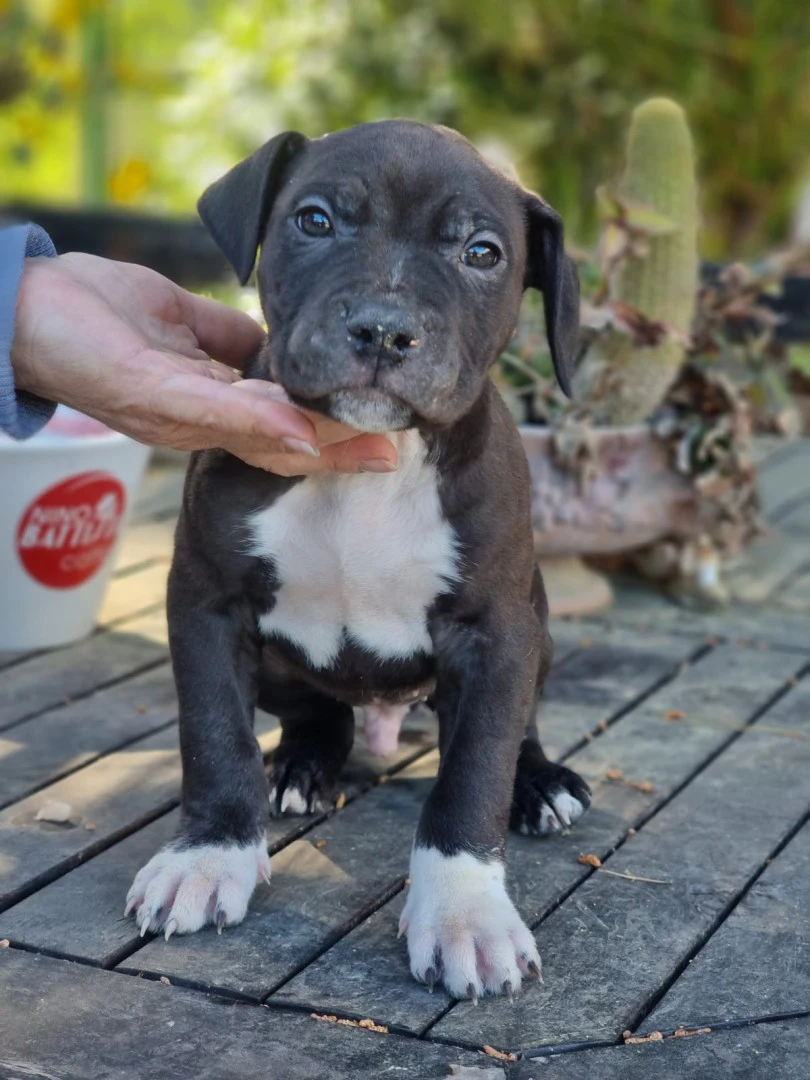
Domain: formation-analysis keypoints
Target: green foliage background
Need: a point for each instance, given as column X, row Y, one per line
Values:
column 144, row 102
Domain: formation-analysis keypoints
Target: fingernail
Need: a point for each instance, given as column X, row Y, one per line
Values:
column 377, row 465
column 298, row 446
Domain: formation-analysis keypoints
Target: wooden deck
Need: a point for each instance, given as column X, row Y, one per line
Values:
column 693, row 731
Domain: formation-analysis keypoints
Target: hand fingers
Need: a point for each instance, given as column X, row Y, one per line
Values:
column 226, row 412
column 227, row 335
column 366, row 453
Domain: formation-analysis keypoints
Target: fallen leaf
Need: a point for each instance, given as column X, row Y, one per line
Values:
column 368, row 1025
column 320, row 843
column 341, row 801
column 641, row 785
column 684, row 1033
column 603, row 725
column 164, row 980
column 90, row 826
column 490, row 1051
column 5, row 943
column 55, row 811
column 614, row 774
column 675, row 714
column 141, row 708
column 631, row 1040
column 590, row 860
column 631, row 832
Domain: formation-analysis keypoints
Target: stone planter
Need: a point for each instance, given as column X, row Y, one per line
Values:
column 621, row 495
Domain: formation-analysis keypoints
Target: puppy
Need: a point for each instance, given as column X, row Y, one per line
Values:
column 393, row 261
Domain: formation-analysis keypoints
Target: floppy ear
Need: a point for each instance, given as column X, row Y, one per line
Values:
column 551, row 271
column 235, row 208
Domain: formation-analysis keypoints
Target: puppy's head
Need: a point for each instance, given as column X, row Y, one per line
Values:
column 393, row 261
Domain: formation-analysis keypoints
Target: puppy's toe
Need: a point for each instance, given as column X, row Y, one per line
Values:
column 180, row 890
column 547, row 799
column 299, row 785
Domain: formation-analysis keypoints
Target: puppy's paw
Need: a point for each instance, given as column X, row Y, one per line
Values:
column 548, row 798
column 302, row 781
column 462, row 928
column 180, row 890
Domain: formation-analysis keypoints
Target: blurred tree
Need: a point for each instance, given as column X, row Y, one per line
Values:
column 192, row 85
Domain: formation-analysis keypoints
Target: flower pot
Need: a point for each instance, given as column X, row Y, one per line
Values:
column 615, row 492
column 65, row 497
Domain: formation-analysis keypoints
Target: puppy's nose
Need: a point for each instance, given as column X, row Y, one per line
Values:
column 379, row 331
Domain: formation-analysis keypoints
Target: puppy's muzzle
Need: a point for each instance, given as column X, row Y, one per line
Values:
column 383, row 334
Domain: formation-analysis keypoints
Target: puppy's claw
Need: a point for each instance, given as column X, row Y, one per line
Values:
column 508, row 990
column 144, row 928
column 534, row 970
column 430, row 979
column 220, row 920
column 472, row 993
column 171, row 927
column 131, row 905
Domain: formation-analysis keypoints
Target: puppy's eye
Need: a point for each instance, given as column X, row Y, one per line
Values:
column 314, row 222
column 481, row 256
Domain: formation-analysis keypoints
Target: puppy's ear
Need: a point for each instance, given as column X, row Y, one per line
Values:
column 236, row 207
column 551, row 271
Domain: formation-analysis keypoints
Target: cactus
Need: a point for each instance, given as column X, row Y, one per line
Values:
column 660, row 174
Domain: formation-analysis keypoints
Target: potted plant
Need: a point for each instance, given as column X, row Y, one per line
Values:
column 651, row 456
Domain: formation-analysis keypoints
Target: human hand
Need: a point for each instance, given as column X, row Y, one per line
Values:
column 132, row 349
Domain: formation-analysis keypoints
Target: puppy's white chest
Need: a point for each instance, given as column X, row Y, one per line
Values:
column 358, row 558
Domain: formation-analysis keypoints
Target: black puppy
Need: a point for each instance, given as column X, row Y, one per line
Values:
column 392, row 267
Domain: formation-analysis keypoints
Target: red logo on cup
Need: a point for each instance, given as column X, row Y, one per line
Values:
column 67, row 532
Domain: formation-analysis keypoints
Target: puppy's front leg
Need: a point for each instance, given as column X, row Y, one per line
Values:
column 207, row 874
column 461, row 925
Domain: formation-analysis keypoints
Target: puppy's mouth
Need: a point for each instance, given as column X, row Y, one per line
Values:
column 365, row 409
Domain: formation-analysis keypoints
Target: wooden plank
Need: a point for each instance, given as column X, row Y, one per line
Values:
column 160, row 494
column 784, row 477
column 114, row 794
column 48, row 679
column 764, row 1052
column 758, row 962
column 795, row 595
column 145, row 541
column 765, row 447
column 611, row 946
column 765, row 566
column 60, row 740
column 367, row 974
column 90, row 898
column 796, row 520
column 130, row 594
column 640, row 608
column 600, row 679
column 64, row 1021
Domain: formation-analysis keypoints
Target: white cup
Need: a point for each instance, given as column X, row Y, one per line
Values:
column 65, row 498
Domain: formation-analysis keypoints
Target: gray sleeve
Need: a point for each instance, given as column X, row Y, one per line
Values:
column 21, row 414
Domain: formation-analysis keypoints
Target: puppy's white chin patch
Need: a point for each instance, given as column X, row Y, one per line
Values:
column 462, row 928
column 369, row 410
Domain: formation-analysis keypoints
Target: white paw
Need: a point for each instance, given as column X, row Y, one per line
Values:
column 462, row 928
column 180, row 890
column 555, row 813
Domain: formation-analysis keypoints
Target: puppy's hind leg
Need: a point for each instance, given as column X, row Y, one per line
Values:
column 317, row 733
column 547, row 798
